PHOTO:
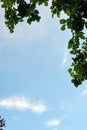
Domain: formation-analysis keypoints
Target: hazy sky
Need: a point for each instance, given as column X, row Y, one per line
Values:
column 36, row 92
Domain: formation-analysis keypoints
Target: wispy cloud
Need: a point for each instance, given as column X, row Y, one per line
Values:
column 65, row 59
column 53, row 123
column 21, row 103
column 84, row 92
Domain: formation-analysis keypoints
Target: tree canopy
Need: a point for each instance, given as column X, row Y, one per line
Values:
column 76, row 10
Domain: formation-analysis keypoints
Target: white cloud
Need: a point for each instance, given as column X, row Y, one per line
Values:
column 52, row 123
column 21, row 103
column 84, row 92
column 65, row 59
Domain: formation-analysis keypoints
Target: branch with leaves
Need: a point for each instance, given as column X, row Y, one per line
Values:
column 2, row 123
column 76, row 10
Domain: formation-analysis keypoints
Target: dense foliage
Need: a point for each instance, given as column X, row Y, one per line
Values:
column 76, row 10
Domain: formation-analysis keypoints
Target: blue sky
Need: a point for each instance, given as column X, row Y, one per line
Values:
column 36, row 90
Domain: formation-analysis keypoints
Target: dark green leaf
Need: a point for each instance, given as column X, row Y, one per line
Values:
column 63, row 27
column 62, row 21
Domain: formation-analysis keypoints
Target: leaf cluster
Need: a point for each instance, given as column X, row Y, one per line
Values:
column 2, row 123
column 76, row 21
column 17, row 10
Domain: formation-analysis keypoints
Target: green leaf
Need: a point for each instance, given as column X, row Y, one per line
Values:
column 46, row 3
column 70, row 43
column 81, row 35
column 62, row 21
column 38, row 18
column 69, row 70
column 72, row 75
column 69, row 24
column 63, row 27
